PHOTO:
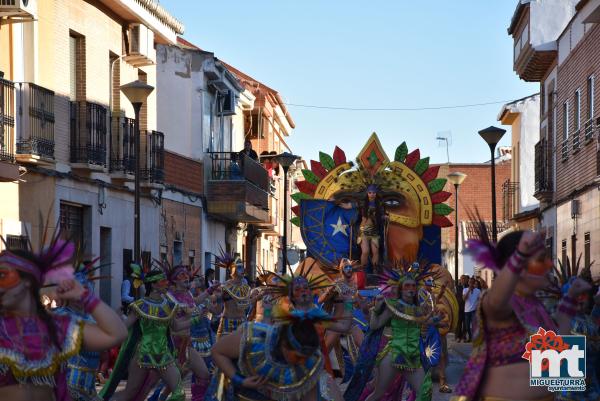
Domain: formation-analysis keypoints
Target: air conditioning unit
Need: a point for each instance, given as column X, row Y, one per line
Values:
column 227, row 103
column 18, row 8
column 141, row 45
column 575, row 208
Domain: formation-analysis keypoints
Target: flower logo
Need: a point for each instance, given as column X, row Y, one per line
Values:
column 544, row 340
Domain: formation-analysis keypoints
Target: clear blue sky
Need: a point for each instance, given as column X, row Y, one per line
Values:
column 375, row 54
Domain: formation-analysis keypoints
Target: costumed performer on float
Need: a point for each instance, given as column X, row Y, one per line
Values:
column 235, row 294
column 508, row 314
column 148, row 351
column 280, row 362
column 35, row 344
column 371, row 227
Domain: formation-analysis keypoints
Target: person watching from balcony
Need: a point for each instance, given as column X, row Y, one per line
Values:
column 248, row 151
column 235, row 169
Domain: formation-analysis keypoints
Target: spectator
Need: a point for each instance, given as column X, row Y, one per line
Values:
column 248, row 151
column 234, row 168
column 471, row 297
column 126, row 290
column 460, row 327
column 209, row 276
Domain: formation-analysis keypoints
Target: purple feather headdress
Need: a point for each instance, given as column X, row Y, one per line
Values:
column 481, row 247
column 51, row 265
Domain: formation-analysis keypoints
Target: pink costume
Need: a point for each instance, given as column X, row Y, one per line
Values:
column 27, row 355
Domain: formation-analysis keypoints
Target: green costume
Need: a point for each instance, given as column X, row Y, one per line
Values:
column 154, row 350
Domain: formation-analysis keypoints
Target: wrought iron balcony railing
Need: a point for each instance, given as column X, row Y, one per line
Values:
column 36, row 125
column 576, row 141
column 588, row 130
column 88, row 133
column 152, row 147
column 543, row 167
column 7, row 120
column 122, row 145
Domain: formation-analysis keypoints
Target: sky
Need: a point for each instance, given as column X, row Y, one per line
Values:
column 375, row 54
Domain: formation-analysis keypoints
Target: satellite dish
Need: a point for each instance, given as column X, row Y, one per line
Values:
column 293, row 256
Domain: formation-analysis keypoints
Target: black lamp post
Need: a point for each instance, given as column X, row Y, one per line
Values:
column 137, row 92
column 285, row 160
column 456, row 178
column 492, row 135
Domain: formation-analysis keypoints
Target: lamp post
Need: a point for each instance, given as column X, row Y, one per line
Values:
column 137, row 92
column 492, row 135
column 456, row 178
column 285, row 159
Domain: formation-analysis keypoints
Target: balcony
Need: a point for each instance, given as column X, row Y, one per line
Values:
column 152, row 147
column 588, row 130
column 122, row 148
column 576, row 141
column 564, row 150
column 237, row 191
column 9, row 171
column 510, row 199
column 35, row 125
column 543, row 172
column 88, row 136
column 531, row 64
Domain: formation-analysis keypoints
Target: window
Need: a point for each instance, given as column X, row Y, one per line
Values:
column 586, row 250
column 563, row 247
column 565, row 121
column 73, row 67
column 17, row 242
column 590, row 97
column 543, row 98
column 191, row 258
column 71, row 221
column 177, row 253
column 577, row 110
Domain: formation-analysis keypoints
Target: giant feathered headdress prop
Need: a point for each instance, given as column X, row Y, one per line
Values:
column 50, row 264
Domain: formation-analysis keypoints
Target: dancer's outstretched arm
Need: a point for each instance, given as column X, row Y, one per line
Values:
column 496, row 302
column 108, row 330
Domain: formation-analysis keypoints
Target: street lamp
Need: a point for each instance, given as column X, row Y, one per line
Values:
column 492, row 135
column 137, row 92
column 285, row 160
column 456, row 178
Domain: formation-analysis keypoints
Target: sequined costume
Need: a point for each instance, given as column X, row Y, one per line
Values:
column 201, row 336
column 154, row 350
column 589, row 326
column 28, row 356
column 240, row 293
column 499, row 347
column 82, row 368
column 285, row 382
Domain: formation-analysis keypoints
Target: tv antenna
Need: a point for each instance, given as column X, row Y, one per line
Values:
column 445, row 138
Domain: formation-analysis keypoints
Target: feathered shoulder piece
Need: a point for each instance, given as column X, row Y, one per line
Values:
column 226, row 260
column 391, row 278
column 284, row 283
column 264, row 276
column 567, row 273
column 50, row 264
column 481, row 247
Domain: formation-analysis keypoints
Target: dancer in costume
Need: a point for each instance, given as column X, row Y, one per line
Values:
column 148, row 350
column 586, row 322
column 371, row 227
column 193, row 344
column 83, row 367
column 235, row 294
column 408, row 311
column 262, row 299
column 36, row 344
column 508, row 314
column 275, row 362
column 333, row 298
